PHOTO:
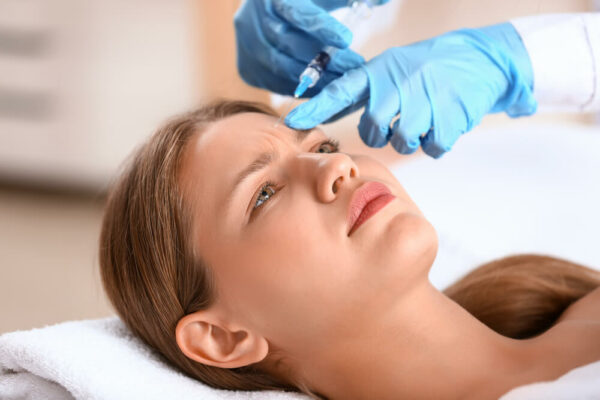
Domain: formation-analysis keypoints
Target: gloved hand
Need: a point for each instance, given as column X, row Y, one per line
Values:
column 276, row 39
column 440, row 87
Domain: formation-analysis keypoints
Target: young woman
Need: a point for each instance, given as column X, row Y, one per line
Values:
column 253, row 257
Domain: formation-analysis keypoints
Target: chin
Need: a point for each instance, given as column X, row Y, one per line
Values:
column 412, row 243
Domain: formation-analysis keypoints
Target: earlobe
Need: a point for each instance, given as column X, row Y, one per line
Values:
column 207, row 340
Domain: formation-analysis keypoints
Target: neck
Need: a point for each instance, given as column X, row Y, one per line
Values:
column 425, row 347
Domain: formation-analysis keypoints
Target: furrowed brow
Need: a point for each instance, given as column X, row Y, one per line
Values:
column 262, row 161
column 265, row 159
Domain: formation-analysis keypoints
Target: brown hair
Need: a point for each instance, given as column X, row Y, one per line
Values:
column 153, row 278
column 522, row 296
column 148, row 269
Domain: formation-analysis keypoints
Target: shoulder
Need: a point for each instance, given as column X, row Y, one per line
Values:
column 574, row 339
column 585, row 309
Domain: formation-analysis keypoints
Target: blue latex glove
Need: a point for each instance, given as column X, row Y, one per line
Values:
column 440, row 87
column 276, row 39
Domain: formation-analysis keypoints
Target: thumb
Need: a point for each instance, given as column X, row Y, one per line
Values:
column 346, row 91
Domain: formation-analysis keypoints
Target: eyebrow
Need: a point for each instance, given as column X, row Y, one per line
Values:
column 263, row 160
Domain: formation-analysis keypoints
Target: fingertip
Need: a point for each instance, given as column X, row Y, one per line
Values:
column 432, row 148
column 346, row 91
column 524, row 108
column 297, row 119
column 345, row 36
column 403, row 141
column 403, row 146
column 434, row 153
column 345, row 60
column 300, row 125
column 371, row 134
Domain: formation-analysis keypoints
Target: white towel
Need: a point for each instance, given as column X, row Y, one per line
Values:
column 98, row 359
column 581, row 383
column 101, row 359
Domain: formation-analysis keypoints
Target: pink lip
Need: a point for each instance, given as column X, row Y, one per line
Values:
column 366, row 201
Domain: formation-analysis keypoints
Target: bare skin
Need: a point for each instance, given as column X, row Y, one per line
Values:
column 354, row 317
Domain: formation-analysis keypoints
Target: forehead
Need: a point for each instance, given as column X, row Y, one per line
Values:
column 243, row 128
column 229, row 144
column 215, row 156
column 233, row 141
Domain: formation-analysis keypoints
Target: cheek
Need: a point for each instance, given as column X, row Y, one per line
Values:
column 289, row 298
column 294, row 279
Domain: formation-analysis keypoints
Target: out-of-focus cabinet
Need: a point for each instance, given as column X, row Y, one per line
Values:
column 82, row 82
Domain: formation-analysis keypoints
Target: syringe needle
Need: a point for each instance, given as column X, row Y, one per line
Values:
column 287, row 109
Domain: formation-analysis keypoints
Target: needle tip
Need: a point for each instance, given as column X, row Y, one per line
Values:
column 305, row 82
column 286, row 110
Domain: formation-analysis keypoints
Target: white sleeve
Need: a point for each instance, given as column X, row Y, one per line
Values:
column 564, row 50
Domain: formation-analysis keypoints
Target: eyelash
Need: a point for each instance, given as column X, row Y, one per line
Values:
column 335, row 147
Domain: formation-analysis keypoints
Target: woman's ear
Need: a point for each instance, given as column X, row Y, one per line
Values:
column 203, row 337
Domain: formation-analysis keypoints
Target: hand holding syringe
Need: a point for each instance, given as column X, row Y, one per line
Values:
column 358, row 10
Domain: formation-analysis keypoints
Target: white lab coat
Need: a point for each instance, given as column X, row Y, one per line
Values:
column 565, row 55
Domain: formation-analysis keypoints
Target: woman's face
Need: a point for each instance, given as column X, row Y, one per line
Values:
column 277, row 239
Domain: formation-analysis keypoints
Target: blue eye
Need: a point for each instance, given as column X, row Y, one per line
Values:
column 329, row 146
column 266, row 191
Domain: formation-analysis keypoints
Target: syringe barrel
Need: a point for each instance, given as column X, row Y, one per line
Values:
column 316, row 67
column 357, row 10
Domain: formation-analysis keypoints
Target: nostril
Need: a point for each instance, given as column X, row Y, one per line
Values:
column 336, row 184
column 353, row 173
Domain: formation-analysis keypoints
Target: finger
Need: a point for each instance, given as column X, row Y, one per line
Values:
column 302, row 47
column 344, row 92
column 449, row 122
column 331, row 5
column 373, row 127
column 335, row 4
column 312, row 19
column 344, row 60
column 415, row 120
column 404, row 144
column 284, row 71
column 290, row 40
column 384, row 105
column 432, row 145
column 348, row 110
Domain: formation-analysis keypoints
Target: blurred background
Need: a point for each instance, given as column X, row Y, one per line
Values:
column 82, row 82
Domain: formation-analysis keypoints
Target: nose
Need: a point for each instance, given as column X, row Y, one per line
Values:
column 329, row 173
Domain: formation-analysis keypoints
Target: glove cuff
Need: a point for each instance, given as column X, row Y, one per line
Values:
column 518, row 100
column 508, row 36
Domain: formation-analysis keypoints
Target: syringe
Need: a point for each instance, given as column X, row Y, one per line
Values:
column 358, row 10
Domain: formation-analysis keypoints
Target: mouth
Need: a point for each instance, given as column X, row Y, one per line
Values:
column 366, row 201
